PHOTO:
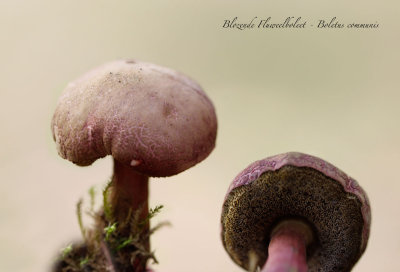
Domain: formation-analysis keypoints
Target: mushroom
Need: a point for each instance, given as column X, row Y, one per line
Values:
column 294, row 212
column 154, row 121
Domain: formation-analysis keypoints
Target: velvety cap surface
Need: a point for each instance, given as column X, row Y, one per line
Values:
column 144, row 115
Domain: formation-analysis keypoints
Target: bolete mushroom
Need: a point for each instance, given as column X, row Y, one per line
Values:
column 293, row 212
column 154, row 121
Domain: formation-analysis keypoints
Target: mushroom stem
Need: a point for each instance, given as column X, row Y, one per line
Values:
column 130, row 193
column 287, row 248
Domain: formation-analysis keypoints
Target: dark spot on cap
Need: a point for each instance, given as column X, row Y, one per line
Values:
column 168, row 109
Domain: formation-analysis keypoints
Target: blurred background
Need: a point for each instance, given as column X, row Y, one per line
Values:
column 333, row 93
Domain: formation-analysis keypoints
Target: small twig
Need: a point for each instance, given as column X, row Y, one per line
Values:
column 157, row 227
column 107, row 255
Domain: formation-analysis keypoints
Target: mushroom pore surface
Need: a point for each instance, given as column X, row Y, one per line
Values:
column 150, row 117
column 251, row 211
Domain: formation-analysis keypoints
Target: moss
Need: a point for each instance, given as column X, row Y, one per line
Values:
column 110, row 246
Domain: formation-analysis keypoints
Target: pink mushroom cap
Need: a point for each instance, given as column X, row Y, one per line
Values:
column 152, row 118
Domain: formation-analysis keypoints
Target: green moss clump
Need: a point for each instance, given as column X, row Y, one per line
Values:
column 110, row 246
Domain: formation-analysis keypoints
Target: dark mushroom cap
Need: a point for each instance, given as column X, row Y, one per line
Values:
column 296, row 185
column 150, row 117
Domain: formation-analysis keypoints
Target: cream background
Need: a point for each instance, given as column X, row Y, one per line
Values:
column 330, row 93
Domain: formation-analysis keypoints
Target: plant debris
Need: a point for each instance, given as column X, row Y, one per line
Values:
column 110, row 246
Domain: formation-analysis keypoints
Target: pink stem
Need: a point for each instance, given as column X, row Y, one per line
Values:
column 287, row 248
column 130, row 193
